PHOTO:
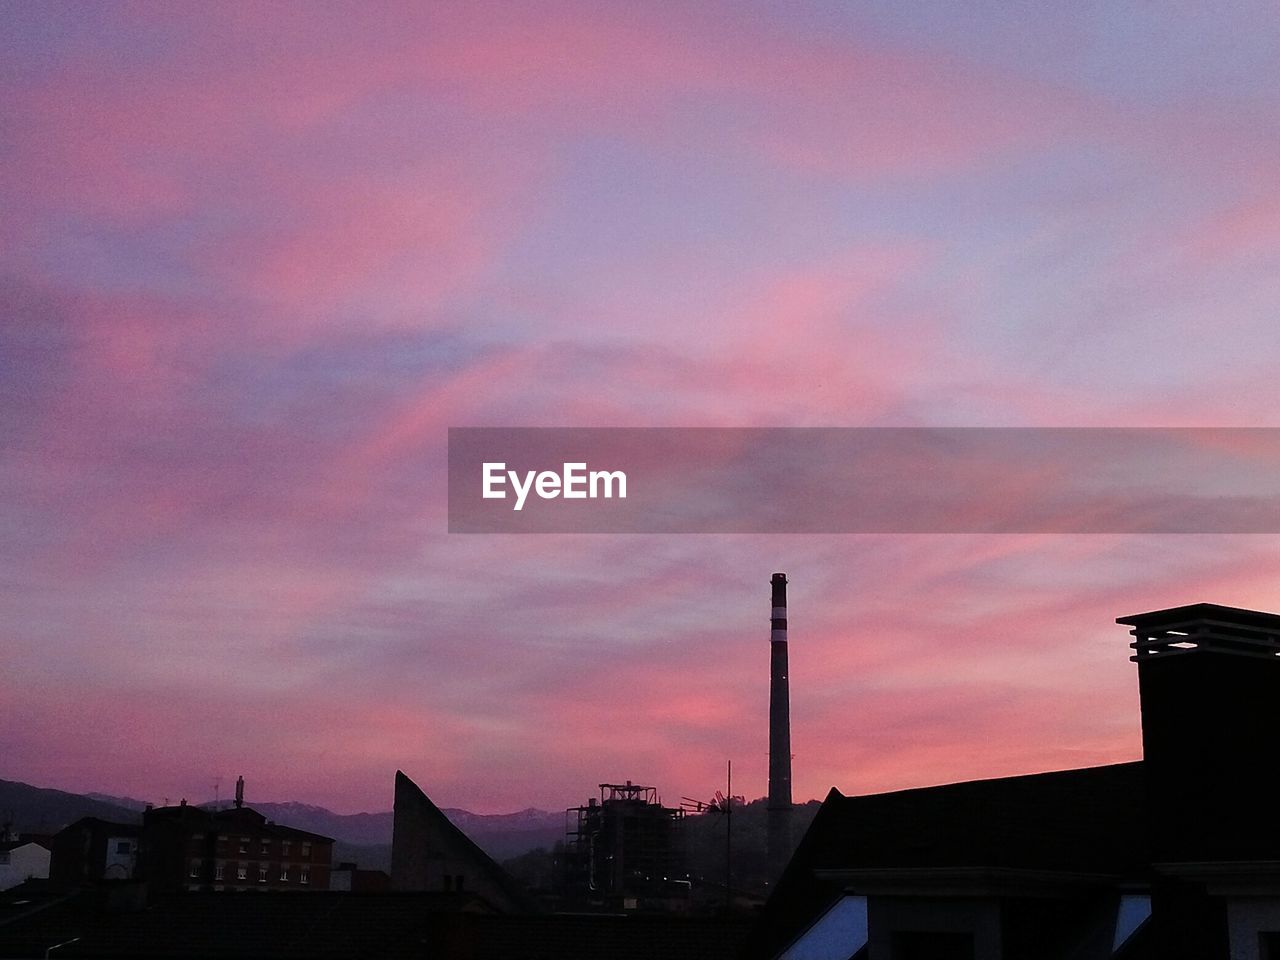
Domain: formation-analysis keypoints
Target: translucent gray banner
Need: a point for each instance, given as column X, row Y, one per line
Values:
column 864, row 480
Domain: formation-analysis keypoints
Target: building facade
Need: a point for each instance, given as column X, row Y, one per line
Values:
column 187, row 847
column 92, row 850
column 21, row 860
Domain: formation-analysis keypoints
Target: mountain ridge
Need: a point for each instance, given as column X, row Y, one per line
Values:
column 46, row 810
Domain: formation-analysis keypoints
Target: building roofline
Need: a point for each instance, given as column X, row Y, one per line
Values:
column 1202, row 611
column 835, row 793
column 129, row 828
column 504, row 880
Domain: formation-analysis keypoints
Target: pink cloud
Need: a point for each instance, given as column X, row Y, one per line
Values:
column 213, row 511
column 153, row 751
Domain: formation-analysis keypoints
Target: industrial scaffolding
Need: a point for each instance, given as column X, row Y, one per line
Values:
column 625, row 846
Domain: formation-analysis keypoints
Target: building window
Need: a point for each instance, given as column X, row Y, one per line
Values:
column 306, row 849
column 265, row 846
column 217, row 872
column 242, row 872
column 284, row 849
column 195, row 868
column 262, row 874
column 244, row 844
column 304, row 875
column 123, row 846
column 284, row 874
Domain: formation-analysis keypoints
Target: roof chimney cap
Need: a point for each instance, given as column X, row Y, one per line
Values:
column 1202, row 612
column 1203, row 628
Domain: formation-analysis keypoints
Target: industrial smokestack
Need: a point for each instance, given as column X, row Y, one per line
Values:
column 779, row 733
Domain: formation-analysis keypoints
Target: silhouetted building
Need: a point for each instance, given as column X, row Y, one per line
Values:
column 429, row 853
column 186, row 847
column 348, row 876
column 626, row 850
column 190, row 848
column 1173, row 857
column 486, row 916
column 779, row 835
column 92, row 850
column 1209, row 680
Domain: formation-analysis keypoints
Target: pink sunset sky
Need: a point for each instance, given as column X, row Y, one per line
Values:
column 255, row 259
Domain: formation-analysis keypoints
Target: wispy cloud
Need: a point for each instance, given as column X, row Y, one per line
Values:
column 256, row 261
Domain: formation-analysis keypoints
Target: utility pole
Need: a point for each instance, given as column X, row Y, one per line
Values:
column 728, row 837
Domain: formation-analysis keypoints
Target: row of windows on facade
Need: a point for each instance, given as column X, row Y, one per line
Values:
column 264, row 843
column 242, row 873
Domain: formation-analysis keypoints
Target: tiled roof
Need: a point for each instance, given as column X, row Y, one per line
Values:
column 1086, row 821
column 231, row 820
column 293, row 833
column 15, row 844
column 105, row 826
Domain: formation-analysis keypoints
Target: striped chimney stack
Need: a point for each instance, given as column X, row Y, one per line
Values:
column 779, row 836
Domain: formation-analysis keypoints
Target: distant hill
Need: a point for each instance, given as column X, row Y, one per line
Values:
column 503, row 842
column 365, row 837
column 39, row 810
column 500, row 835
column 129, row 803
column 365, row 829
column 366, row 856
